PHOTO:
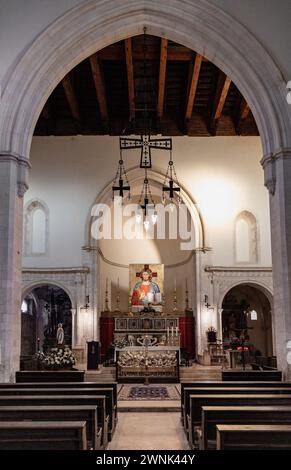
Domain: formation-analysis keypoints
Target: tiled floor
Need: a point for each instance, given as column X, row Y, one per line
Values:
column 149, row 431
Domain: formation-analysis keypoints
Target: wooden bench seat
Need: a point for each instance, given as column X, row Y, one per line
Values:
column 108, row 392
column 73, row 375
column 253, row 437
column 86, row 413
column 231, row 390
column 230, row 383
column 213, row 415
column 95, row 385
column 52, row 400
column 43, row 435
column 257, row 375
column 198, row 401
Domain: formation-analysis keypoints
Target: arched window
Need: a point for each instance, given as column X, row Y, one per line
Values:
column 36, row 229
column 246, row 238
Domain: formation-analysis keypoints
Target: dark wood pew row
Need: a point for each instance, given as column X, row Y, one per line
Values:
column 94, row 385
column 230, row 383
column 253, row 437
column 198, row 401
column 224, row 390
column 73, row 375
column 109, row 406
column 64, row 400
column 257, row 375
column 43, row 435
column 214, row 415
column 86, row 413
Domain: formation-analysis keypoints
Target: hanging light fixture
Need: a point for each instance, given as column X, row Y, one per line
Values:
column 173, row 184
column 145, row 203
column 121, row 177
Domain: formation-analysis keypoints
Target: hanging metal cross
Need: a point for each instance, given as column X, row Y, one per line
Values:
column 145, row 143
column 171, row 189
column 121, row 188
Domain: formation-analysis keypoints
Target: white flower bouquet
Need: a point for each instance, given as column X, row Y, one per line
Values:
column 57, row 358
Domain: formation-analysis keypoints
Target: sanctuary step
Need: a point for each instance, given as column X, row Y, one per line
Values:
column 103, row 374
column 200, row 373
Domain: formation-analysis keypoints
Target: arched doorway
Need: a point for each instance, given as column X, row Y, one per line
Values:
column 246, row 312
column 42, row 309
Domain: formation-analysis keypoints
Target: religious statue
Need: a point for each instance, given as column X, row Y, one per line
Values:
column 146, row 291
column 60, row 335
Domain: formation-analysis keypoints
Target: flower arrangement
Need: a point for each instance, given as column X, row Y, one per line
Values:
column 211, row 334
column 120, row 342
column 57, row 358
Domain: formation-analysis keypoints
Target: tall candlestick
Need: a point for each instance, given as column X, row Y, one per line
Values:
column 172, row 332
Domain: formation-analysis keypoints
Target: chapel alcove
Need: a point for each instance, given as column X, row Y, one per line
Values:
column 43, row 308
column 247, row 308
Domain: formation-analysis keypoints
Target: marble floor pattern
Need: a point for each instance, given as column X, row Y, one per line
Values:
column 149, row 431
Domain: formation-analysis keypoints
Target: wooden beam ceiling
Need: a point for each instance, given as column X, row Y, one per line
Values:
column 243, row 113
column 192, row 96
column 223, row 85
column 71, row 97
column 130, row 77
column 98, row 77
column 193, row 86
column 162, row 77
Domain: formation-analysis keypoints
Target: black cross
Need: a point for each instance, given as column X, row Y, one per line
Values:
column 171, row 189
column 121, row 188
column 145, row 143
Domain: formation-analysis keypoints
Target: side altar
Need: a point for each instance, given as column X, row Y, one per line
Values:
column 147, row 341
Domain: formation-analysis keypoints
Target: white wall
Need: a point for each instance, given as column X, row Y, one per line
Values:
column 223, row 175
column 22, row 21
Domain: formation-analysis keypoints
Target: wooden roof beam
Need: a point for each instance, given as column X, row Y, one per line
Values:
column 162, row 77
column 98, row 77
column 243, row 113
column 71, row 97
column 193, row 86
column 223, row 85
column 130, row 77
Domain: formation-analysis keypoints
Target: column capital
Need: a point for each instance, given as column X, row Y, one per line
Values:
column 23, row 167
column 268, row 163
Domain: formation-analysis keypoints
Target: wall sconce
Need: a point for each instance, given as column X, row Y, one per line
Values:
column 207, row 305
column 87, row 303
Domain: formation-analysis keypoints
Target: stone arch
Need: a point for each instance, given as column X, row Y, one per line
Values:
column 252, row 237
column 93, row 25
column 28, row 288
column 29, row 211
column 264, row 288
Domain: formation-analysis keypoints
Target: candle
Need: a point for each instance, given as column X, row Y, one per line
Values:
column 175, row 285
column 168, row 332
column 172, row 332
column 176, row 331
column 107, row 284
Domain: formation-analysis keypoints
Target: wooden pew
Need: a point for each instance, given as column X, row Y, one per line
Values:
column 52, row 400
column 197, row 401
column 216, row 383
column 213, row 415
column 224, row 390
column 86, row 413
column 253, row 437
column 108, row 392
column 43, row 435
column 50, row 375
column 257, row 375
column 95, row 385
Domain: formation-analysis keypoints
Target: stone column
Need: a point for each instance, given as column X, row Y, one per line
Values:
column 13, row 184
column 277, row 168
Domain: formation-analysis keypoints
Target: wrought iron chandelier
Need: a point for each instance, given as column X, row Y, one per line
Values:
column 146, row 144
